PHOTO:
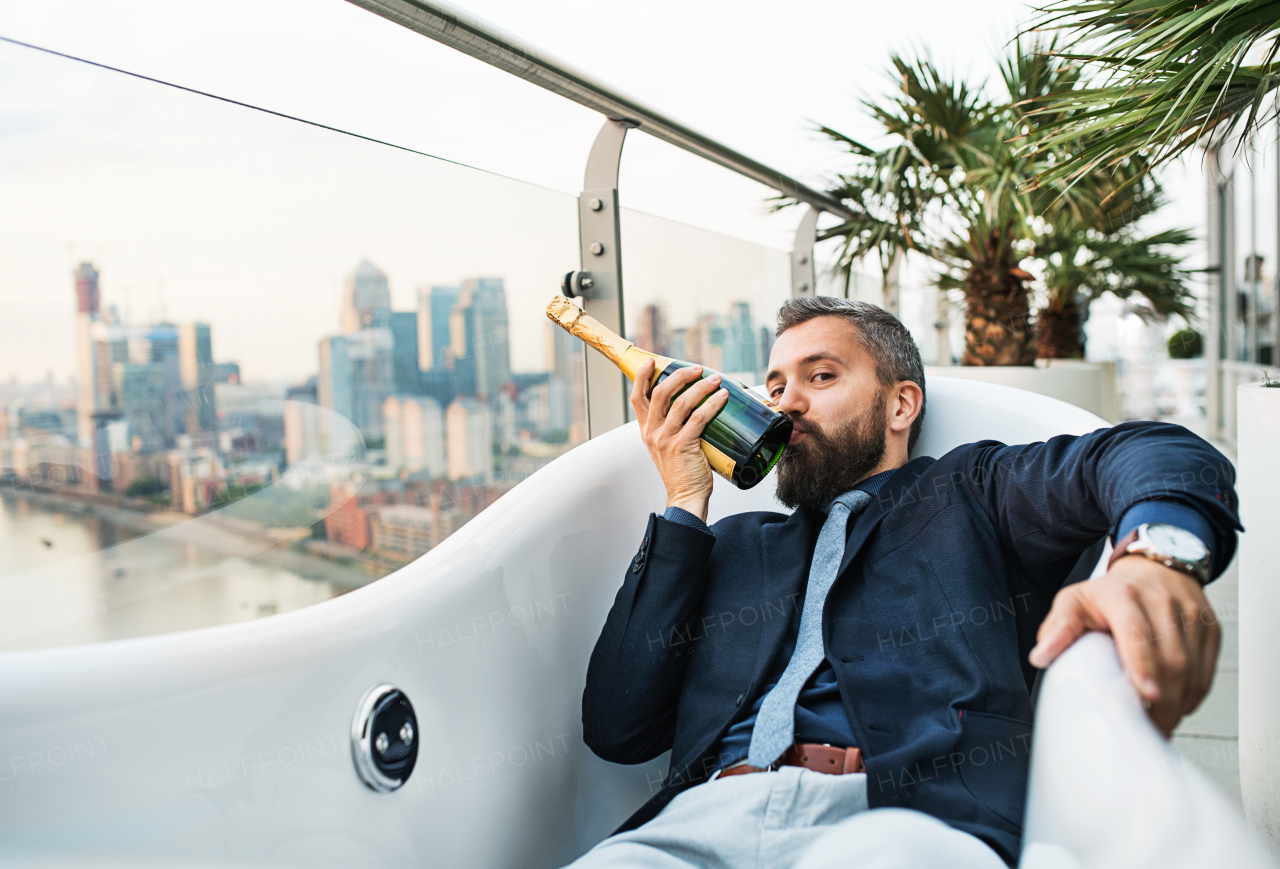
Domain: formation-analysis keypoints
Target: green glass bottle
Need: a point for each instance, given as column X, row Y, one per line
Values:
column 742, row 442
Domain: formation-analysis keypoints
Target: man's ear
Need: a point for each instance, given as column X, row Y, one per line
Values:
column 904, row 404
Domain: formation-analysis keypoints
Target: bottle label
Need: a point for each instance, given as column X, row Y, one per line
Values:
column 719, row 462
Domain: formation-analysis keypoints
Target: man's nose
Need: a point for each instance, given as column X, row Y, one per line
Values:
column 792, row 402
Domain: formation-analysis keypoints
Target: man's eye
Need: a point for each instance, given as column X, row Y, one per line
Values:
column 823, row 375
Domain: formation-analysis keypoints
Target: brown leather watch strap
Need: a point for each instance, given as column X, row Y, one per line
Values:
column 1121, row 548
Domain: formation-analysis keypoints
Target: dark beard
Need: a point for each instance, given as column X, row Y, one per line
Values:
column 823, row 466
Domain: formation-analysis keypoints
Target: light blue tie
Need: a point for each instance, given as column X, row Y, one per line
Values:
column 775, row 726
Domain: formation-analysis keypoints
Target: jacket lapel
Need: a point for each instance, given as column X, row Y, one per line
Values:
column 788, row 548
column 898, row 491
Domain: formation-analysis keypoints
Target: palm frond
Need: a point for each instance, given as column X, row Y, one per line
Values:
column 1162, row 76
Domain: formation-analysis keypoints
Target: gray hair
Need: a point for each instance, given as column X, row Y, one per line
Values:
column 880, row 333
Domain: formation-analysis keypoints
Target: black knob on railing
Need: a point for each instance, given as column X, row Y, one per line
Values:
column 577, row 285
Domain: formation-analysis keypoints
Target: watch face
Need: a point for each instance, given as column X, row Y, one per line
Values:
column 1176, row 542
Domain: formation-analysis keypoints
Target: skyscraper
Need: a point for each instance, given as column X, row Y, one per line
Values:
column 478, row 339
column 93, row 381
column 195, row 361
column 141, row 392
column 303, row 427
column 469, row 440
column 405, row 374
column 766, row 345
column 652, row 334
column 356, row 377
column 739, row 341
column 86, row 284
column 434, row 307
column 366, row 299
column 567, row 386
column 88, row 395
column 415, row 434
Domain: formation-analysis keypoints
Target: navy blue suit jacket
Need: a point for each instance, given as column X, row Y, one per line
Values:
column 945, row 579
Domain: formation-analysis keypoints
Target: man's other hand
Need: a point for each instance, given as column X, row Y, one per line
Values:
column 1165, row 631
column 671, row 431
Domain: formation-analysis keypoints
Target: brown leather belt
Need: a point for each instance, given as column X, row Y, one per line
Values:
column 830, row 759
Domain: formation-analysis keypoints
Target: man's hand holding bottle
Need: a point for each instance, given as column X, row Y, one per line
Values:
column 671, row 431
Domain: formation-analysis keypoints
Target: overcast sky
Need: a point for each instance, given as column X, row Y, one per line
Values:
column 195, row 209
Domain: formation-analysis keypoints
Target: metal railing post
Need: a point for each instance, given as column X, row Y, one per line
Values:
column 600, row 236
column 803, row 285
column 1212, row 333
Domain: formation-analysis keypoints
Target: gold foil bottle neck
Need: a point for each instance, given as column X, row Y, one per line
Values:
column 582, row 325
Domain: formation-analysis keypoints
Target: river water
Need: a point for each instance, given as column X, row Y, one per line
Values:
column 73, row 573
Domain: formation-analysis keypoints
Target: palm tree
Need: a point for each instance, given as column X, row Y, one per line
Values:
column 953, row 184
column 1165, row 74
column 1083, row 260
column 949, row 186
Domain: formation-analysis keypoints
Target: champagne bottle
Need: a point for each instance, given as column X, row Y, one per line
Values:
column 742, row 442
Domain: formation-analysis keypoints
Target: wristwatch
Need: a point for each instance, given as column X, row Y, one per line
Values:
column 1168, row 545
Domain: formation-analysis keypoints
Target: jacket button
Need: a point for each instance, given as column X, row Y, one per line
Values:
column 741, row 697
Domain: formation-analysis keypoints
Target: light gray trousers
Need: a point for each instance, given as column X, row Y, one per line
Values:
column 789, row 819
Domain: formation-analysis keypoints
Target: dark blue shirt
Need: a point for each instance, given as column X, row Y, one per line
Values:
column 820, row 712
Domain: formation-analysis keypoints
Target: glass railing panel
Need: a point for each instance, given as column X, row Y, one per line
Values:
column 249, row 364
column 1264, row 300
column 701, row 296
column 335, row 63
column 1250, row 333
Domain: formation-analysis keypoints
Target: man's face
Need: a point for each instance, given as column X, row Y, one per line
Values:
column 822, row 377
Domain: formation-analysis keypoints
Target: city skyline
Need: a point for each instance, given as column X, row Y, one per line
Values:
column 140, row 388
column 537, row 348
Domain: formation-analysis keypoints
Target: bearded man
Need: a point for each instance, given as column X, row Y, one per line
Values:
column 869, row 703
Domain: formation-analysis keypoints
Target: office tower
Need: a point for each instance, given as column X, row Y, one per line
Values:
column 567, row 387
column 303, row 423
column 414, row 428
column 478, row 339
column 195, row 361
column 224, row 372
column 469, row 440
column 766, row 346
column 652, row 332
column 366, row 299
column 303, row 431
column 695, row 344
column 739, row 342
column 161, row 339
column 93, row 381
column 88, row 396
column 88, row 300
column 406, row 377
column 155, row 343
column 504, row 415
column 434, row 307
column 356, row 377
column 679, row 345
column 305, row 391
column 142, row 395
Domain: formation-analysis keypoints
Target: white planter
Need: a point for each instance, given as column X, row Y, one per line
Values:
column 1258, row 422
column 1088, row 385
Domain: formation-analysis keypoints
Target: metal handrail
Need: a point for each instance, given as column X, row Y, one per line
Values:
column 482, row 41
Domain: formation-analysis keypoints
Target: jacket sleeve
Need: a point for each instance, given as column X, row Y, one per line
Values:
column 633, row 682
column 1051, row 500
